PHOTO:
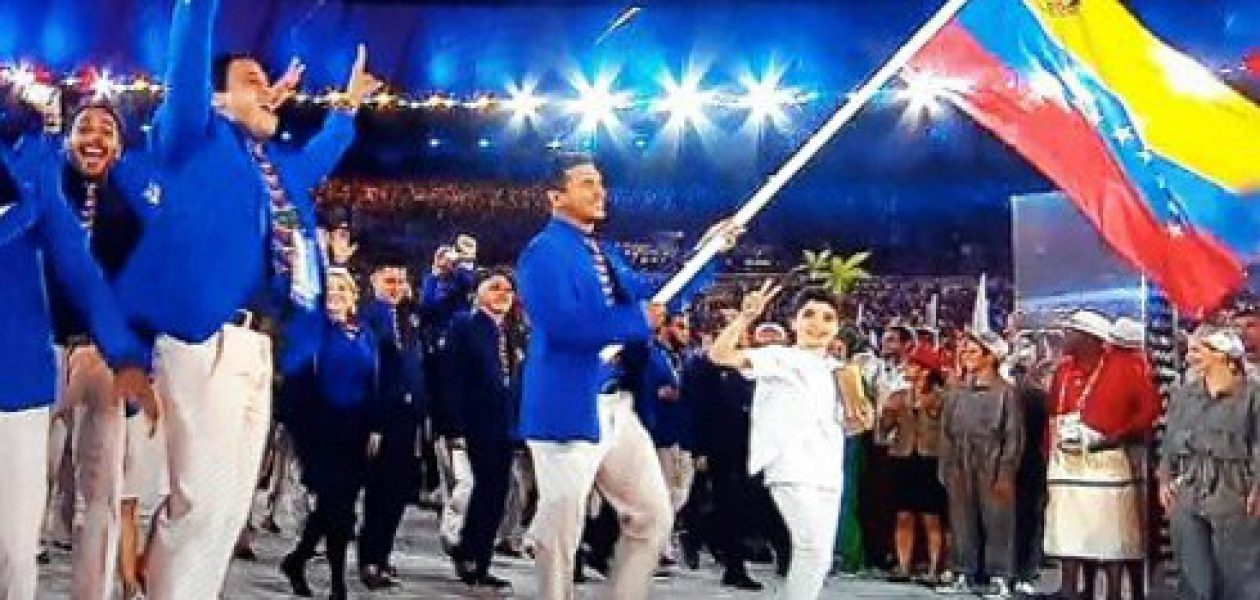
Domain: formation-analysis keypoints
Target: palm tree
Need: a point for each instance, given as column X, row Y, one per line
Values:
column 835, row 273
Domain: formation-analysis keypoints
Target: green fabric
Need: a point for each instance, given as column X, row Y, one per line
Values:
column 850, row 553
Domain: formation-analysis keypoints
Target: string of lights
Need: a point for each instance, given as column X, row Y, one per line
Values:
column 591, row 100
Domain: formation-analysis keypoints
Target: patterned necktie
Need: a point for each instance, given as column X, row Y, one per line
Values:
column 290, row 258
column 505, row 366
column 602, row 270
column 88, row 213
column 393, row 319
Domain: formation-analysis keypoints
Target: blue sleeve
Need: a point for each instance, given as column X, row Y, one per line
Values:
column 324, row 151
column 183, row 119
column 643, row 287
column 555, row 312
column 430, row 296
column 63, row 241
column 455, row 382
column 134, row 175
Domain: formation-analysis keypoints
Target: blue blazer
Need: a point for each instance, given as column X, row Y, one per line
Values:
column 571, row 321
column 36, row 225
column 205, row 253
column 403, row 390
column 479, row 403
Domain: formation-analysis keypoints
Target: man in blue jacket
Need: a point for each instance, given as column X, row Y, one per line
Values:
column 479, row 385
column 233, row 248
column 393, row 473
column 577, row 412
column 106, row 193
column 37, row 226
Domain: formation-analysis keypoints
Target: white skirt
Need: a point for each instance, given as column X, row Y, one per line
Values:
column 1095, row 505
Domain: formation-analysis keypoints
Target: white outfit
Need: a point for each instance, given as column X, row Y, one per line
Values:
column 100, row 442
column 512, row 529
column 218, row 412
column 60, row 456
column 624, row 467
column 24, row 463
column 455, row 473
column 145, row 475
column 798, row 442
column 679, row 470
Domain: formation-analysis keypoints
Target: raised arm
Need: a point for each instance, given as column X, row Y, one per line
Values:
column 182, row 120
column 725, row 350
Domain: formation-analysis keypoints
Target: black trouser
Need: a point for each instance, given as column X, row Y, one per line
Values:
column 1030, row 517
column 734, row 512
column 600, row 536
column 877, row 518
column 491, row 462
column 333, row 521
column 391, row 483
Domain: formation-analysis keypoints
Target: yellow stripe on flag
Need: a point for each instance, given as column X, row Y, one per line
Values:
column 1182, row 110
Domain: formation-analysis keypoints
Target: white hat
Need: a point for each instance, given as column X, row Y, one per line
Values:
column 1088, row 322
column 1128, row 332
column 992, row 342
column 1225, row 341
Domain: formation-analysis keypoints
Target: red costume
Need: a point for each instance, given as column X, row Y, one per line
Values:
column 1127, row 402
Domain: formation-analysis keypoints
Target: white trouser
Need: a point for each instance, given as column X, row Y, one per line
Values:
column 455, row 473
column 100, row 443
column 24, row 465
column 812, row 515
column 218, row 411
column 60, row 473
column 679, row 471
column 288, row 500
column 625, row 469
column 512, row 529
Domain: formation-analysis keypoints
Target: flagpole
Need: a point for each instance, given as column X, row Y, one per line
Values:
column 797, row 161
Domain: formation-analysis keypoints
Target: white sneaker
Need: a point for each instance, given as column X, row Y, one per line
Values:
column 958, row 587
column 1000, row 591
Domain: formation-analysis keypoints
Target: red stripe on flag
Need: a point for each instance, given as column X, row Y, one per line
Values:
column 1195, row 269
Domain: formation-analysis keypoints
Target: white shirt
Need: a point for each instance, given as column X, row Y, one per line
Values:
column 797, row 418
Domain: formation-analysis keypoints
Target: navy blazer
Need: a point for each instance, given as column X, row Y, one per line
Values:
column 479, row 402
column 402, row 386
column 36, row 225
column 206, row 252
column 572, row 322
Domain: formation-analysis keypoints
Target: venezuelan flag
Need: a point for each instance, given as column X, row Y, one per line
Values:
column 1158, row 153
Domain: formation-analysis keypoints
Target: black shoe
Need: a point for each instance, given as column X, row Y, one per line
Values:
column 741, row 581
column 490, row 581
column 269, row 525
column 506, row 549
column 43, row 558
column 373, row 579
column 245, row 553
column 466, row 571
column 579, row 576
column 899, row 576
column 600, row 564
column 294, row 570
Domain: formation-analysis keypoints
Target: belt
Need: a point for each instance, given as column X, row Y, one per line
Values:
column 612, row 387
column 252, row 321
column 78, row 341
